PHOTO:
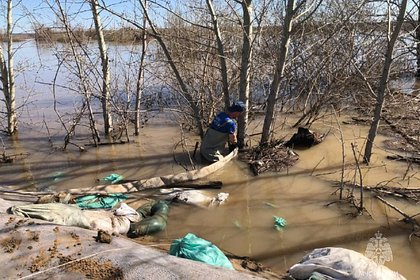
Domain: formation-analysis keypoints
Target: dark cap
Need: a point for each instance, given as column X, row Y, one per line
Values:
column 237, row 106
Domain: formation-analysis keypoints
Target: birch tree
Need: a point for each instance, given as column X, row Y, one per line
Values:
column 245, row 71
column 140, row 77
column 7, row 74
column 105, row 96
column 392, row 37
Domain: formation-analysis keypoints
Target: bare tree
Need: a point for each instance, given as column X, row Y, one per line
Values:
column 7, row 74
column 279, row 71
column 245, row 72
column 140, row 77
column 222, row 55
column 80, row 73
column 105, row 97
column 193, row 103
column 383, row 83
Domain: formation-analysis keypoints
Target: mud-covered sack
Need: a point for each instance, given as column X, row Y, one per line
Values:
column 154, row 219
column 195, row 248
column 62, row 214
column 341, row 263
column 117, row 221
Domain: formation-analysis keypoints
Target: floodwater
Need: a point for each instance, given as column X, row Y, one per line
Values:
column 244, row 225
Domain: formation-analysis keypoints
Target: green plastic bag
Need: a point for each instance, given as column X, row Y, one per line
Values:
column 279, row 223
column 197, row 249
column 97, row 201
column 113, row 178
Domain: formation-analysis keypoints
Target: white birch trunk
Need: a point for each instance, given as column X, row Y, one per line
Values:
column 245, row 74
column 105, row 98
column 140, row 77
column 7, row 74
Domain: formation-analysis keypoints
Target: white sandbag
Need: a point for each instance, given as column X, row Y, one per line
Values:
column 194, row 197
column 219, row 199
column 341, row 263
column 128, row 212
column 117, row 221
column 62, row 214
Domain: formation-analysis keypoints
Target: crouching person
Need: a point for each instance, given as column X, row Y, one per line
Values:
column 221, row 131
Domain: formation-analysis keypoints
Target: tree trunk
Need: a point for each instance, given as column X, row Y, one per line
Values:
column 105, row 97
column 221, row 52
column 383, row 83
column 140, row 77
column 418, row 41
column 245, row 75
column 5, row 81
column 279, row 72
column 11, row 110
column 7, row 74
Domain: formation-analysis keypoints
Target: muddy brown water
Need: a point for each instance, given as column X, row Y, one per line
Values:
column 244, row 225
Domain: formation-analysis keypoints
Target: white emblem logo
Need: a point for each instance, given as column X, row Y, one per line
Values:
column 378, row 249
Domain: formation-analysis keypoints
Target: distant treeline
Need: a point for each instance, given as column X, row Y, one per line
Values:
column 127, row 34
column 47, row 34
column 122, row 35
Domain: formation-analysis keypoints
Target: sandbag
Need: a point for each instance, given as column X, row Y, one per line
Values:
column 341, row 263
column 195, row 197
column 155, row 217
column 62, row 214
column 117, row 221
column 195, row 248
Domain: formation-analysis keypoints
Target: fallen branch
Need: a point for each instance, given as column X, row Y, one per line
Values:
column 410, row 140
column 407, row 219
column 405, row 193
column 404, row 158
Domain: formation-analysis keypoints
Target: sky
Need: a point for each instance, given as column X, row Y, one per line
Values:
column 28, row 13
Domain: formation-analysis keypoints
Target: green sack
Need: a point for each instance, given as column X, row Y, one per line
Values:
column 97, row 201
column 155, row 218
column 197, row 249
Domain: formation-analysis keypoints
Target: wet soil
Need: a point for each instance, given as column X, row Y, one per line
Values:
column 92, row 269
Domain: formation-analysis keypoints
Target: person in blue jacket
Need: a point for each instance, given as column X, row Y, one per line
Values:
column 222, row 130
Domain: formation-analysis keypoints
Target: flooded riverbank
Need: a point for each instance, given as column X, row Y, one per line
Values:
column 244, row 225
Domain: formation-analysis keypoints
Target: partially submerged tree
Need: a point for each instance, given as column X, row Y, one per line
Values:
column 392, row 36
column 140, row 76
column 290, row 11
column 7, row 73
column 245, row 71
column 106, row 95
column 79, row 67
